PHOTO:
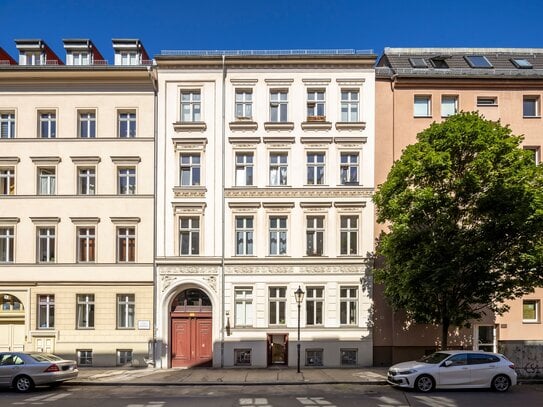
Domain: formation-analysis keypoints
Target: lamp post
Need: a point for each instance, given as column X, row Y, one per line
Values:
column 299, row 296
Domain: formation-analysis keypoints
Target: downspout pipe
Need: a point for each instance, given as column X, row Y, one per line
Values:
column 223, row 204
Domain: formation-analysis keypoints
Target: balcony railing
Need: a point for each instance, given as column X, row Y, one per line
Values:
column 266, row 52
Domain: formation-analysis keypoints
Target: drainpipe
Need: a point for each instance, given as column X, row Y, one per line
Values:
column 223, row 203
column 153, row 77
column 392, row 88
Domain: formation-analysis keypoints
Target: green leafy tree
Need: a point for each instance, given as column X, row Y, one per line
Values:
column 464, row 210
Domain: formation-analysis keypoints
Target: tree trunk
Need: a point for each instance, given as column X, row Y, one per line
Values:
column 445, row 323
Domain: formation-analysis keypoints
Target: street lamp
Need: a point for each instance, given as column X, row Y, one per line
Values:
column 299, row 296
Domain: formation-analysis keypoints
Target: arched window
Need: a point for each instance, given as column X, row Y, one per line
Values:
column 10, row 303
column 191, row 299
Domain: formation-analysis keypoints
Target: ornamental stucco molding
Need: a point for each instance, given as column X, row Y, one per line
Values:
column 180, row 270
column 277, row 193
column 301, row 269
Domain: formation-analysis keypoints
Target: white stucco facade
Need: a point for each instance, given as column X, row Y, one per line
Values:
column 264, row 184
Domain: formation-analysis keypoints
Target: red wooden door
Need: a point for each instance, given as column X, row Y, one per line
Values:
column 191, row 341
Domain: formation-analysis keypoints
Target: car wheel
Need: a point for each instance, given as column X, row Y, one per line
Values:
column 23, row 384
column 424, row 383
column 501, row 383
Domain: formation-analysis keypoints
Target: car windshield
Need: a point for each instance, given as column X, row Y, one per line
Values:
column 434, row 358
column 44, row 357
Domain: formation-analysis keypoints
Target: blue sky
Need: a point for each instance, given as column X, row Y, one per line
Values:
column 274, row 24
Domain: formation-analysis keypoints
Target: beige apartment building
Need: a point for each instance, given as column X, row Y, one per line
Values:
column 76, row 202
column 265, row 177
column 415, row 87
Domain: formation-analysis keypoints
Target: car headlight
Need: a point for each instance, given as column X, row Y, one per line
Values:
column 408, row 371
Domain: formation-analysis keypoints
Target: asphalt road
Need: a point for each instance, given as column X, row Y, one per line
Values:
column 267, row 396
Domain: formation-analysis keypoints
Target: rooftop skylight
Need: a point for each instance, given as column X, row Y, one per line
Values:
column 418, row 63
column 521, row 63
column 478, row 61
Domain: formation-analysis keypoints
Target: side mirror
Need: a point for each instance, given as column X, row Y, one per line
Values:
column 447, row 363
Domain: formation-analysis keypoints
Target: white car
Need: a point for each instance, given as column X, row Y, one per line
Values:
column 455, row 369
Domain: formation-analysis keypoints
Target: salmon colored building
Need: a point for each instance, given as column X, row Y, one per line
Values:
column 416, row 87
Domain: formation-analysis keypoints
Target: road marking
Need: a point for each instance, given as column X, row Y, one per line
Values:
column 256, row 402
column 149, row 404
column 436, row 401
column 314, row 401
column 39, row 400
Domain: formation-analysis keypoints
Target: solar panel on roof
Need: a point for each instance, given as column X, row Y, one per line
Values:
column 418, row 63
column 521, row 63
column 478, row 61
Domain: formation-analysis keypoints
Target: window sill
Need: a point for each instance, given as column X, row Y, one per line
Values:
column 279, row 125
column 126, row 329
column 528, row 322
column 487, row 105
column 422, row 117
column 316, row 125
column 350, row 125
column 531, row 117
column 243, row 125
column 189, row 126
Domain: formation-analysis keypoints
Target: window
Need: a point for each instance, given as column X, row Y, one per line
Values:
column 313, row 357
column 279, row 106
column 46, row 311
column 129, row 58
column 487, row 101
column 244, row 235
column 86, row 184
column 86, row 244
column 315, row 168
column 478, row 61
column 348, row 305
column 85, row 311
column 124, row 357
column 46, row 245
column 87, row 125
column 244, row 169
column 126, row 245
column 439, row 62
column 80, row 58
column 314, row 305
column 48, row 124
column 189, row 236
column 84, row 357
column 189, row 169
column 315, row 105
column 536, row 154
column 127, row 181
column 10, row 303
column 349, row 357
column 278, row 235
column 242, row 357
column 418, row 62
column 530, row 106
column 244, row 104
column 7, row 181
column 460, row 359
column 7, row 125
column 349, row 169
column 521, row 63
column 315, row 235
column 349, row 105
column 243, row 298
column 481, row 358
column 191, row 108
column 127, row 124
column 422, row 106
column 6, row 244
column 449, row 105
column 277, row 305
column 530, row 311
column 126, row 309
column 46, row 181
column 349, row 234
column 278, row 169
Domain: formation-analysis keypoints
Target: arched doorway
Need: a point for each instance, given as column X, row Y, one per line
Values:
column 12, row 320
column 191, row 329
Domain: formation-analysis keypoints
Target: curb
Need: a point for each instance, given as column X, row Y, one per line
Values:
column 186, row 384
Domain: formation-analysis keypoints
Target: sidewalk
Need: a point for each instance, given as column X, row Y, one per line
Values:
column 209, row 376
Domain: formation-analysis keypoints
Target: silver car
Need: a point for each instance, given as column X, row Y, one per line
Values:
column 23, row 371
column 455, row 369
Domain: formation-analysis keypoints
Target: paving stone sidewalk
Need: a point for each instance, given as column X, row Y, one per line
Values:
column 209, row 376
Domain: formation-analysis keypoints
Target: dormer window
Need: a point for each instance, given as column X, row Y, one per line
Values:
column 80, row 58
column 129, row 58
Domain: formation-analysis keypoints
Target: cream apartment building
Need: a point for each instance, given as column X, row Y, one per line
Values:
column 76, row 193
column 264, row 182
column 415, row 87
